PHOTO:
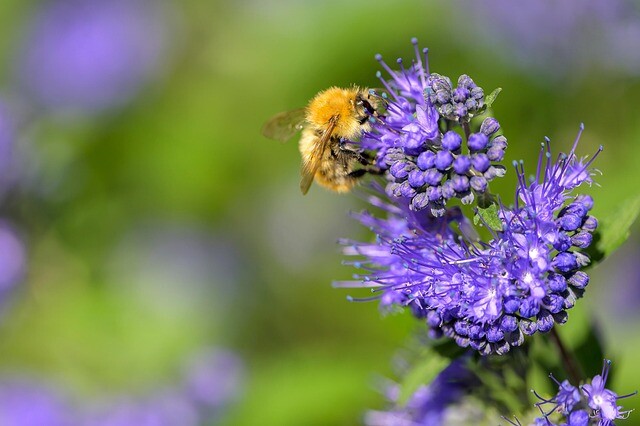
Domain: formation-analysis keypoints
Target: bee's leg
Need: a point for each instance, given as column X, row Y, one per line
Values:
column 369, row 169
column 361, row 157
column 357, row 173
column 366, row 158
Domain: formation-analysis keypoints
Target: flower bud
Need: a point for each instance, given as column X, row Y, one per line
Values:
column 451, row 141
column 462, row 164
column 460, row 183
column 564, row 262
column 582, row 239
column 460, row 94
column 416, row 178
column 494, row 172
column 480, row 162
column 443, row 160
column 466, row 82
column 478, row 183
column 508, row 323
column 590, row 224
column 434, row 193
column 477, row 141
column 419, row 201
column 579, row 279
column 489, row 126
column 401, row 169
column 426, row 160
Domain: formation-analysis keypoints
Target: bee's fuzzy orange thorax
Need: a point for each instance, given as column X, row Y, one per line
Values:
column 331, row 102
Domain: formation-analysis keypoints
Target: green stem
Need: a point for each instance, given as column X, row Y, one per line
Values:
column 571, row 366
column 466, row 128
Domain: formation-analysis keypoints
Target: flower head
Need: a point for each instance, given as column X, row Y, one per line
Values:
column 487, row 295
column 424, row 165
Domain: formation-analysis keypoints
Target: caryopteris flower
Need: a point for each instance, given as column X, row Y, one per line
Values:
column 426, row 162
column 587, row 405
column 428, row 404
column 486, row 295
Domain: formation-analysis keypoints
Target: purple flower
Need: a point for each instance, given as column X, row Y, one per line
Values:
column 577, row 35
column 602, row 400
column 427, row 406
column 590, row 404
column 28, row 403
column 486, row 295
column 12, row 260
column 425, row 166
column 160, row 410
column 7, row 141
column 91, row 55
column 213, row 378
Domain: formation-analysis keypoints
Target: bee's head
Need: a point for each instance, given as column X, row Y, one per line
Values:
column 362, row 102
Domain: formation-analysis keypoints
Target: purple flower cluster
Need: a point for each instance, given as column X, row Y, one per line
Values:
column 587, row 405
column 210, row 383
column 91, row 55
column 578, row 36
column 425, row 165
column 487, row 295
column 456, row 104
column 25, row 402
column 428, row 403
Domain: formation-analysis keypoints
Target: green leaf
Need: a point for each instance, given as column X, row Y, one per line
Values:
column 492, row 97
column 589, row 352
column 503, row 381
column 489, row 217
column 613, row 230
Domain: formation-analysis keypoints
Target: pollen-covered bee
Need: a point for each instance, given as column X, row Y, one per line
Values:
column 333, row 119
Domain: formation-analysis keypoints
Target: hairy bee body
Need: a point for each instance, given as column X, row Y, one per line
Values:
column 331, row 122
column 336, row 165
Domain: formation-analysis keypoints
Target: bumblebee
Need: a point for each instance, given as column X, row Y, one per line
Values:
column 330, row 123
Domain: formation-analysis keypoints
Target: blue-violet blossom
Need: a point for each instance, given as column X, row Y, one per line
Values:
column 426, row 165
column 587, row 405
column 486, row 295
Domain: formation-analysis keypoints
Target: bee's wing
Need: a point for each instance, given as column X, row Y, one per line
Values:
column 310, row 165
column 283, row 126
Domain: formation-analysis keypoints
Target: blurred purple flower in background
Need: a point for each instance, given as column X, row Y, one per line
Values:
column 7, row 142
column 90, row 55
column 164, row 410
column 178, row 268
column 12, row 260
column 622, row 294
column 28, row 403
column 549, row 36
column 428, row 404
column 212, row 380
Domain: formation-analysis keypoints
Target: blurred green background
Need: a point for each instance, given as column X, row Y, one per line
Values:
column 163, row 222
